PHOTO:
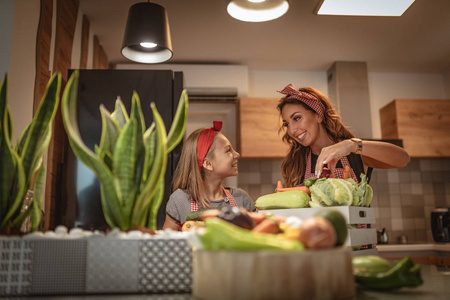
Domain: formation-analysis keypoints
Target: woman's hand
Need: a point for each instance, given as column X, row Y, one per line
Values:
column 330, row 155
column 377, row 155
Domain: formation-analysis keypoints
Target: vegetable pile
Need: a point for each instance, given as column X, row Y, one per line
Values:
column 232, row 228
column 235, row 229
column 319, row 192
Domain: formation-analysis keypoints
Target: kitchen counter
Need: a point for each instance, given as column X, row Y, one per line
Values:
column 414, row 247
column 435, row 286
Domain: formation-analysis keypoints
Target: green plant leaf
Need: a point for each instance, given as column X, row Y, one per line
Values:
column 124, row 165
column 178, row 127
column 18, row 191
column 36, row 214
column 110, row 200
column 7, row 160
column 120, row 114
column 7, row 178
column 136, row 113
column 39, row 126
column 154, row 206
column 140, row 153
column 40, row 151
column 5, row 116
column 157, row 170
column 149, row 142
column 22, row 140
column 110, row 132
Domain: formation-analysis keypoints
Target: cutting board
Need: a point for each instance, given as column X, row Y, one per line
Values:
column 311, row 274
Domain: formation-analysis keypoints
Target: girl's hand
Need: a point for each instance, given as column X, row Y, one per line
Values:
column 330, row 155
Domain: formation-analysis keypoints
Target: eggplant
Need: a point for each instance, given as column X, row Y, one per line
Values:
column 235, row 216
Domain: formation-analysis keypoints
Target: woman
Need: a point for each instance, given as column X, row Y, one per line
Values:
column 206, row 160
column 318, row 139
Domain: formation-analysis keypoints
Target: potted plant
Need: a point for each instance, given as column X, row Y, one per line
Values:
column 21, row 166
column 130, row 160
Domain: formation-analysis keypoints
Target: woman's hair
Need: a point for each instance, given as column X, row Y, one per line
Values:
column 294, row 164
column 188, row 175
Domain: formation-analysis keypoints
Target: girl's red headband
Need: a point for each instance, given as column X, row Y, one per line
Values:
column 306, row 98
column 205, row 141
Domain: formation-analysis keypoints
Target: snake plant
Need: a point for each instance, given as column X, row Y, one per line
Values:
column 21, row 166
column 130, row 161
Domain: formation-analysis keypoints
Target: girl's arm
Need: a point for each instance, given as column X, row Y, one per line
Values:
column 377, row 155
column 170, row 223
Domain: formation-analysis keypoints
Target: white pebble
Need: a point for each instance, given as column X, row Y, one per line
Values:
column 135, row 234
column 50, row 234
column 61, row 230
column 33, row 235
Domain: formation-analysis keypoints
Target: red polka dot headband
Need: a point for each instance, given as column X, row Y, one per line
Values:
column 304, row 97
column 205, row 141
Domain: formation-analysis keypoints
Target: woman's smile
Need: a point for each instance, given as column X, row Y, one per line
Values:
column 301, row 136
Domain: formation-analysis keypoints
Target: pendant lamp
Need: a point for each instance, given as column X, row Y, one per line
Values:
column 147, row 34
column 257, row 10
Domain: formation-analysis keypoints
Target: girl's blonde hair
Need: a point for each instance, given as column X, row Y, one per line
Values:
column 294, row 164
column 188, row 175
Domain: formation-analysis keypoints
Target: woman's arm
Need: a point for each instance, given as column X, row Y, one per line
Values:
column 378, row 155
column 382, row 155
column 170, row 223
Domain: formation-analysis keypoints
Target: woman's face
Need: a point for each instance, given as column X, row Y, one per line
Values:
column 225, row 159
column 303, row 125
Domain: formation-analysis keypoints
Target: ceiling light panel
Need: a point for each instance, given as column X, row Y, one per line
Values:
column 364, row 7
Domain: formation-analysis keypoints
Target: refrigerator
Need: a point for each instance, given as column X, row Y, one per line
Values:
column 79, row 203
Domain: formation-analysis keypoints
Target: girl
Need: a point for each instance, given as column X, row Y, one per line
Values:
column 318, row 139
column 207, row 158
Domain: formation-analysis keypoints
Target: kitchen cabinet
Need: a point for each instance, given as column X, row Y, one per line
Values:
column 423, row 125
column 260, row 121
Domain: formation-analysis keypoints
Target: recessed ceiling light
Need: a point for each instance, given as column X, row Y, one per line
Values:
column 364, row 7
column 257, row 10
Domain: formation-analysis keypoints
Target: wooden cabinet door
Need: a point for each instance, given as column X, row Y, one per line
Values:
column 259, row 121
column 423, row 125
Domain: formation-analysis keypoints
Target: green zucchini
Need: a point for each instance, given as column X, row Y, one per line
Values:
column 194, row 215
column 283, row 200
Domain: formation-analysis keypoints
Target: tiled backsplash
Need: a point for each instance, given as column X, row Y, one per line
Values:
column 403, row 198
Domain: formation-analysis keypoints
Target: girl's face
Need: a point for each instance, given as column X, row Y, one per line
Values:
column 224, row 160
column 303, row 125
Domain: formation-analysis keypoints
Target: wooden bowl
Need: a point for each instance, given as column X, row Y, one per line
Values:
column 311, row 274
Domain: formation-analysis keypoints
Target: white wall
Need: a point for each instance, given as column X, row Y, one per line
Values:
column 266, row 83
column 196, row 76
column 22, row 67
column 385, row 87
column 76, row 49
column 6, row 28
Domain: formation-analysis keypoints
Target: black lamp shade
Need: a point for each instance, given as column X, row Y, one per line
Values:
column 147, row 23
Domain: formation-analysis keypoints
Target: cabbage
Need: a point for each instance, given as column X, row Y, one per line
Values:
column 340, row 192
column 356, row 192
column 322, row 193
column 366, row 190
